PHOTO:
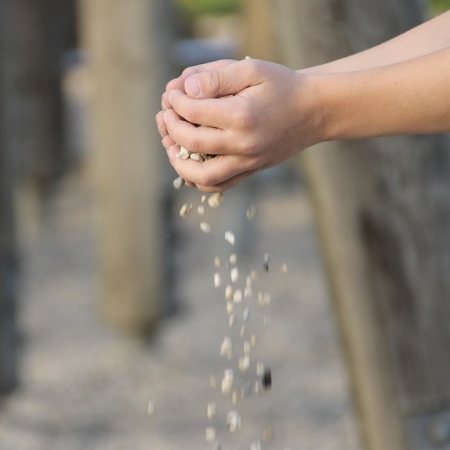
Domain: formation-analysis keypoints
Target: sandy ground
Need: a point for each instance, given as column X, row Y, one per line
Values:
column 86, row 386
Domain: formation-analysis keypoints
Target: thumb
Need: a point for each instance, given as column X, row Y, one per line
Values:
column 224, row 81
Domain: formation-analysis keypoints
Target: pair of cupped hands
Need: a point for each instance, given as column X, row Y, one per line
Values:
column 249, row 114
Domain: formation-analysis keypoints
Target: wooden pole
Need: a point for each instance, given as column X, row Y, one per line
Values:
column 128, row 45
column 8, row 249
column 383, row 210
column 44, row 31
column 260, row 30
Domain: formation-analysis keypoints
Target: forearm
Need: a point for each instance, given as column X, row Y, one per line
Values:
column 411, row 97
column 426, row 38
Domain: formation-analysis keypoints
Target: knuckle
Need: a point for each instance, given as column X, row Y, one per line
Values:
column 244, row 119
column 249, row 146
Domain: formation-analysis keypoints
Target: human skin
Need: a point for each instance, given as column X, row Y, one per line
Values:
column 271, row 113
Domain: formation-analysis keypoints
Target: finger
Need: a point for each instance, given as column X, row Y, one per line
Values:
column 213, row 171
column 219, row 82
column 204, row 140
column 168, row 142
column 216, row 113
column 178, row 83
column 165, row 103
column 228, row 184
column 162, row 129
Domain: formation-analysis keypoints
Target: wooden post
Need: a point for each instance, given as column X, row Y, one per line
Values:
column 8, row 251
column 128, row 45
column 44, row 31
column 383, row 210
column 260, row 30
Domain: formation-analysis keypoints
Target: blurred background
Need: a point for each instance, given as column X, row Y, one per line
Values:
column 107, row 300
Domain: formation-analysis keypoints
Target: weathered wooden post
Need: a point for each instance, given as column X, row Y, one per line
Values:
column 128, row 45
column 43, row 33
column 260, row 30
column 8, row 158
column 45, row 30
column 383, row 210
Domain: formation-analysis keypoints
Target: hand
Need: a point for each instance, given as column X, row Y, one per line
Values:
column 269, row 113
column 178, row 83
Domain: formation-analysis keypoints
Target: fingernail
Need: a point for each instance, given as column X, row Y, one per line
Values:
column 165, row 105
column 192, row 86
column 161, row 129
column 171, row 154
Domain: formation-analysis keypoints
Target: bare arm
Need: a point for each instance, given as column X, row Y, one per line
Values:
column 410, row 97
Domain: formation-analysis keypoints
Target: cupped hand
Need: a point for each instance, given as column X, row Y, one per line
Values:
column 250, row 114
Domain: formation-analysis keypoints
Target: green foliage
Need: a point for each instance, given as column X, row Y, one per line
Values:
column 439, row 6
column 198, row 7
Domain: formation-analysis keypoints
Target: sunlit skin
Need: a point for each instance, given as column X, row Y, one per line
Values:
column 271, row 113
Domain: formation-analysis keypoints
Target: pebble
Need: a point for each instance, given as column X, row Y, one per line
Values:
column 229, row 236
column 244, row 363
column 229, row 292
column 185, row 210
column 215, row 199
column 227, row 381
column 211, row 411
column 196, row 157
column 267, row 379
column 178, row 183
column 205, row 227
column 183, row 153
column 233, row 421
column 251, row 212
column 234, row 274
column 237, row 297
column 210, row 435
column 226, row 348
column 260, row 369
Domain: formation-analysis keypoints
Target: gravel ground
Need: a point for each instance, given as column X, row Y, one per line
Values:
column 85, row 386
